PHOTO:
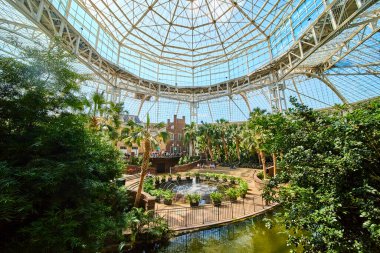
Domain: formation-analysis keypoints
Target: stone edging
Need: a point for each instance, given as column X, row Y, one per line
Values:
column 185, row 167
column 260, row 184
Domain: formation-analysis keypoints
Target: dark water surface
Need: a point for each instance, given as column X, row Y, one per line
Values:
column 253, row 235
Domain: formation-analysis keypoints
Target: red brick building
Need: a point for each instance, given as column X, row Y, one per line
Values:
column 176, row 135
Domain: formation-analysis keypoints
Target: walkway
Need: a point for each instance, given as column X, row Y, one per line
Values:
column 180, row 216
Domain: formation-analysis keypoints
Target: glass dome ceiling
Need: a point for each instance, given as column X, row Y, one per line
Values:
column 266, row 51
column 189, row 42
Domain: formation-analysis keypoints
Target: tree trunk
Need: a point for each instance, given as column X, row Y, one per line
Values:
column 210, row 149
column 259, row 158
column 225, row 149
column 238, row 150
column 274, row 164
column 144, row 170
column 191, row 148
column 262, row 157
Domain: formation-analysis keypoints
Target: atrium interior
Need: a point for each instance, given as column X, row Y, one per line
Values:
column 189, row 126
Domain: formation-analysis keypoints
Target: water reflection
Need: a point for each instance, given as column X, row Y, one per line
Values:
column 249, row 236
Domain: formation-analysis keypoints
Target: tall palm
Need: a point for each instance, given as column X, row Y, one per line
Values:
column 191, row 133
column 97, row 107
column 113, row 121
column 255, row 136
column 207, row 131
column 150, row 135
column 222, row 128
column 236, row 134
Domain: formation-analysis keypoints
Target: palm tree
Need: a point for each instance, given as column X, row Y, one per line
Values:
column 222, row 129
column 208, row 132
column 255, row 135
column 236, row 134
column 190, row 136
column 97, row 108
column 150, row 135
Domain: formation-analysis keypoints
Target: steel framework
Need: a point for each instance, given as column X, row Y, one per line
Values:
column 337, row 32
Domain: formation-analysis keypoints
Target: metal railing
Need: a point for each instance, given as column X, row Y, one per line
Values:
column 184, row 217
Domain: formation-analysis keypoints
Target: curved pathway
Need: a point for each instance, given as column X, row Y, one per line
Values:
column 181, row 217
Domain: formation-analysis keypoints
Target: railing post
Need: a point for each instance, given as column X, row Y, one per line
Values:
column 203, row 215
column 254, row 205
column 167, row 217
column 186, row 217
column 243, row 207
column 232, row 210
column 218, row 212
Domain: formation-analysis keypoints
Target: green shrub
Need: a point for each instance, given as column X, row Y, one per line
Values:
column 168, row 194
column 232, row 194
column 193, row 198
column 260, row 175
column 148, row 184
column 216, row 197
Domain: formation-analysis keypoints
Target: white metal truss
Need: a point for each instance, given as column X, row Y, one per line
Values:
column 277, row 97
column 347, row 16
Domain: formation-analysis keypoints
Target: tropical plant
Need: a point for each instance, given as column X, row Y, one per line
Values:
column 191, row 133
column 329, row 184
column 143, row 225
column 207, row 131
column 216, row 198
column 243, row 188
column 150, row 135
column 232, row 194
column 193, row 198
column 56, row 176
column 222, row 125
column 168, row 197
column 255, row 135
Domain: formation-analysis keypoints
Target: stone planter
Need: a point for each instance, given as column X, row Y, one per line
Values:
column 194, row 204
column 217, row 203
column 168, row 202
column 233, row 200
column 260, row 184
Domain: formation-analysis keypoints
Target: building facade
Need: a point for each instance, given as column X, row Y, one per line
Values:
column 176, row 133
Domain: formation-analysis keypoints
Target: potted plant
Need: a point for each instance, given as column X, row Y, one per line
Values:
column 243, row 188
column 216, row 198
column 197, row 176
column 188, row 178
column 163, row 179
column 157, row 181
column 170, row 178
column 178, row 177
column 224, row 177
column 232, row 194
column 168, row 197
column 158, row 194
column 232, row 179
column 194, row 199
column 207, row 175
column 216, row 177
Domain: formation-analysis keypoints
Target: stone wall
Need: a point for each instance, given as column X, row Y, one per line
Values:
column 134, row 169
column 147, row 201
column 184, row 167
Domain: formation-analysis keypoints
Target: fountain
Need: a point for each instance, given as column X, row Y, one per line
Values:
column 202, row 188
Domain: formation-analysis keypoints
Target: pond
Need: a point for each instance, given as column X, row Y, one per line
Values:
column 248, row 236
column 204, row 188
